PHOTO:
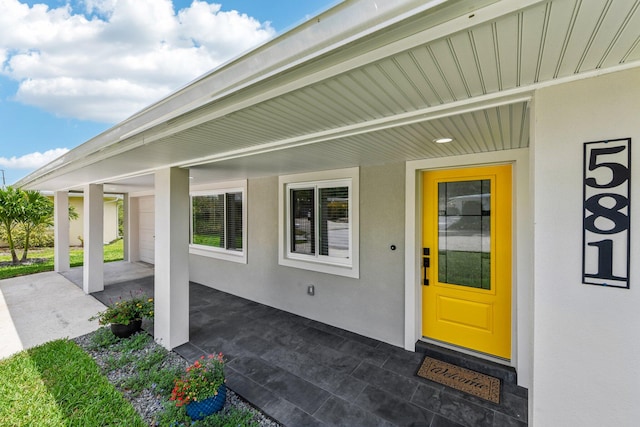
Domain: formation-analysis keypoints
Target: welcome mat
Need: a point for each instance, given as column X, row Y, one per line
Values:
column 480, row 385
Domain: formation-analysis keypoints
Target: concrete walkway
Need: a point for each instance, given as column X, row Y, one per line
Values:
column 42, row 307
column 114, row 272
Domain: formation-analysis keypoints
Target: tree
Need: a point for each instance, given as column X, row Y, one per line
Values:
column 38, row 211
column 12, row 207
column 28, row 209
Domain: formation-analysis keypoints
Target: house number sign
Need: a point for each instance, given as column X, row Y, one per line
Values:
column 606, row 209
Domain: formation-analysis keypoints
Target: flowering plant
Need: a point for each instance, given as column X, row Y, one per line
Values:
column 201, row 380
column 126, row 311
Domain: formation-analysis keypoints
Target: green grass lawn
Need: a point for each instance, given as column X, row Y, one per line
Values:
column 58, row 384
column 207, row 240
column 112, row 252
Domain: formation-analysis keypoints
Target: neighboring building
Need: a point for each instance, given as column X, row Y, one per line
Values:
column 313, row 160
column 110, row 226
column 76, row 226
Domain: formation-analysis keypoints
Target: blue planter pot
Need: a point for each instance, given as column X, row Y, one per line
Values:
column 204, row 408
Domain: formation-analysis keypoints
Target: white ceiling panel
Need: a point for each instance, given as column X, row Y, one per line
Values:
column 416, row 78
column 559, row 26
column 616, row 35
column 468, row 64
column 508, row 47
column 425, row 60
column 531, row 36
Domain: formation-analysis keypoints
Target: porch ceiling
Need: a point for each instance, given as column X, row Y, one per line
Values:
column 455, row 69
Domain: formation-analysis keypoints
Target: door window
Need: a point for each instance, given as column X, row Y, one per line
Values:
column 464, row 233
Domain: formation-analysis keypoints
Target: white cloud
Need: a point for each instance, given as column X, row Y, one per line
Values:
column 32, row 160
column 119, row 57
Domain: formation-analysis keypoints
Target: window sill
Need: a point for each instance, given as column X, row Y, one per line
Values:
column 239, row 257
column 321, row 267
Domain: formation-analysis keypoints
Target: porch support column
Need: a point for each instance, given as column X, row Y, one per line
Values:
column 171, row 324
column 93, row 268
column 131, row 229
column 61, row 231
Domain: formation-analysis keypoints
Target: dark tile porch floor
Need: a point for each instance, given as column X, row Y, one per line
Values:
column 305, row 373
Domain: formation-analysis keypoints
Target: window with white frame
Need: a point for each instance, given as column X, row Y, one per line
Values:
column 319, row 225
column 218, row 223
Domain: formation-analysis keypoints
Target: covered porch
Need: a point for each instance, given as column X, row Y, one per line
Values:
column 306, row 373
column 365, row 100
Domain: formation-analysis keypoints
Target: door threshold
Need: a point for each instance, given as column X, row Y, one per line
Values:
column 480, row 362
column 480, row 355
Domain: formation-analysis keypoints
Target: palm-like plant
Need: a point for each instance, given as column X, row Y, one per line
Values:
column 38, row 211
column 12, row 208
column 29, row 209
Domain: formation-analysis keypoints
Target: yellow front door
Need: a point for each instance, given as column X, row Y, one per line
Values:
column 466, row 292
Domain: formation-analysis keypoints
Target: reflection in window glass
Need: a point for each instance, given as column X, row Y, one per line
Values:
column 334, row 222
column 321, row 224
column 217, row 220
column 234, row 221
column 464, row 233
column 303, row 224
column 208, row 220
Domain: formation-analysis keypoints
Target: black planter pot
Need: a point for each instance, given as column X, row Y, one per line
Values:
column 125, row 331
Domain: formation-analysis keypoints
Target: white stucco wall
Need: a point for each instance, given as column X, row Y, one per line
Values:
column 587, row 345
column 372, row 305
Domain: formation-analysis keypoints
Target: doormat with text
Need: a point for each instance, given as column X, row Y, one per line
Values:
column 480, row 385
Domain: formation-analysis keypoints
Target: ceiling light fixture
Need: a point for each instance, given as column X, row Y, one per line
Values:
column 443, row 140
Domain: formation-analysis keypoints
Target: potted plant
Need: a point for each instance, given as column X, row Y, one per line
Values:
column 201, row 389
column 125, row 316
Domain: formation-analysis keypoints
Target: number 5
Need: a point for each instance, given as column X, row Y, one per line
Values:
column 620, row 173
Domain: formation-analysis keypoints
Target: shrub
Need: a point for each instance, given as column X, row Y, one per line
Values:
column 201, row 380
column 126, row 311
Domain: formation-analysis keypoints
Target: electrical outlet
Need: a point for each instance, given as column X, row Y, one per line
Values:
column 311, row 290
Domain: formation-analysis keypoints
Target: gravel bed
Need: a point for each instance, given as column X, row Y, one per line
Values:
column 148, row 403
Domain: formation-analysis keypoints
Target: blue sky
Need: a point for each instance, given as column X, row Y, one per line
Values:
column 72, row 69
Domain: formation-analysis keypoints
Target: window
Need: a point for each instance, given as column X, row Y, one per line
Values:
column 320, row 221
column 218, row 223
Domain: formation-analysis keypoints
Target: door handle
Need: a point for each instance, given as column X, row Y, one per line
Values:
column 425, row 264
